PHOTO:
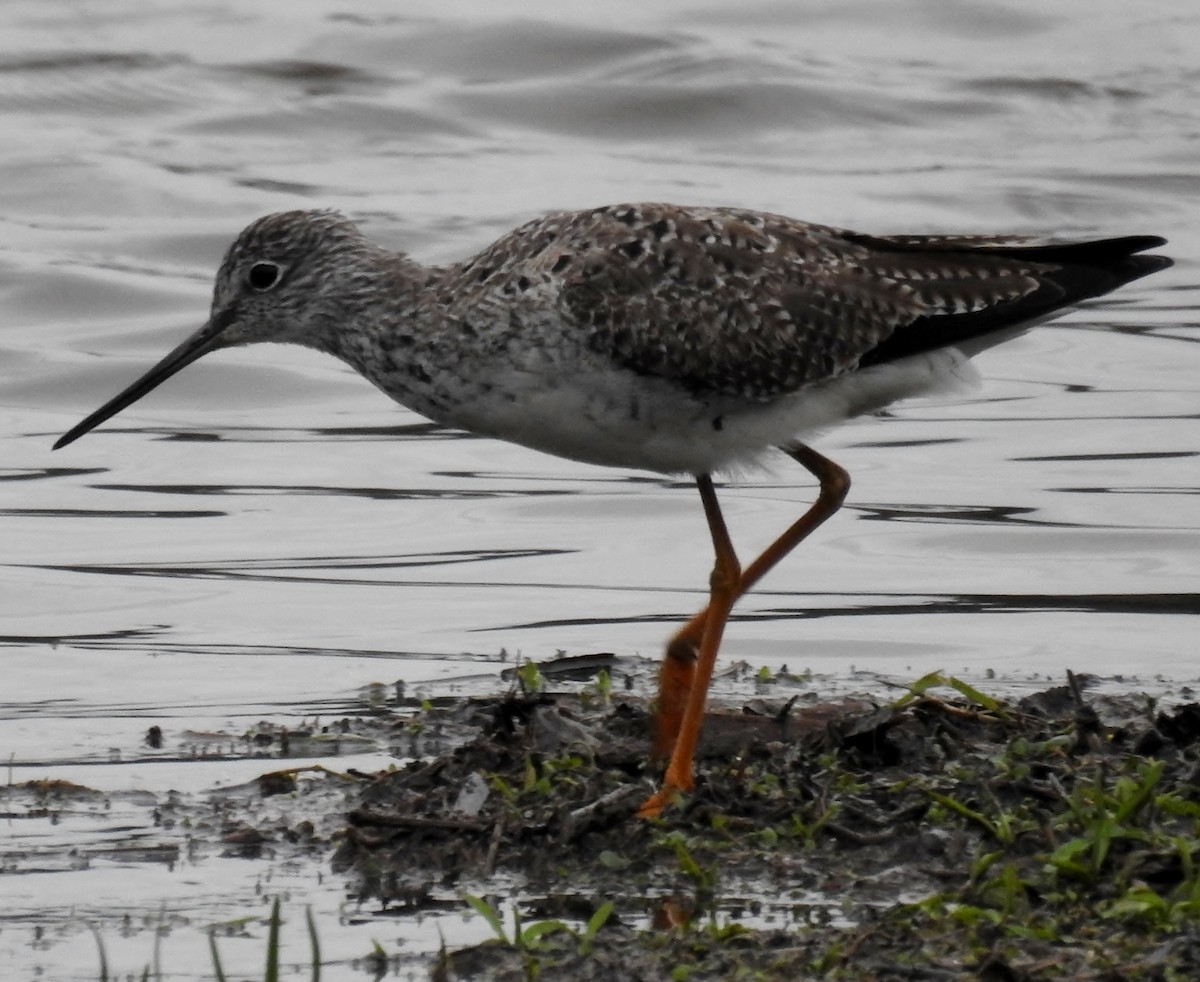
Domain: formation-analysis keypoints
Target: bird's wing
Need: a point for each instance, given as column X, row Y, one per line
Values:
column 753, row 305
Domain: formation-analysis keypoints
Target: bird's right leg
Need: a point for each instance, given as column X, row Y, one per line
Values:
column 679, row 663
column 724, row 589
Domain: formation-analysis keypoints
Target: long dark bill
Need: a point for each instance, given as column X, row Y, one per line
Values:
column 200, row 343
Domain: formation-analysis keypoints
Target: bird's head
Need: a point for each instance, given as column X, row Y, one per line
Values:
column 281, row 280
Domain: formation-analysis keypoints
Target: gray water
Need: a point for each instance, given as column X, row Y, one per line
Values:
column 266, row 536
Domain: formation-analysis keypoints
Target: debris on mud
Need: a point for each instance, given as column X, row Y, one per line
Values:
column 944, row 834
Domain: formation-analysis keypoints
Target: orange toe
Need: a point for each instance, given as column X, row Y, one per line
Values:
column 653, row 806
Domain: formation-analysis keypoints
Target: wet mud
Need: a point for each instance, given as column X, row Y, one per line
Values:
column 942, row 834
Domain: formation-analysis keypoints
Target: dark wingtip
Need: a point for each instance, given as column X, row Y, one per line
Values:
column 1139, row 265
column 1139, row 243
column 1134, row 266
column 1094, row 267
column 1152, row 264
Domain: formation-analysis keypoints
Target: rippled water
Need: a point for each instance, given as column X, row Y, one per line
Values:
column 267, row 534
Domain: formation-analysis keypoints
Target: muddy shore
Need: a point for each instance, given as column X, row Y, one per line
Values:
column 940, row 834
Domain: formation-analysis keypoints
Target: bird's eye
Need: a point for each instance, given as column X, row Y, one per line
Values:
column 263, row 276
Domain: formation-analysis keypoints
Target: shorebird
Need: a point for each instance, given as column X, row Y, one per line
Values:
column 673, row 339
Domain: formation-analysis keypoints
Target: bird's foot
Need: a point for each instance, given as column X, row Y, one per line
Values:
column 676, row 783
column 663, row 798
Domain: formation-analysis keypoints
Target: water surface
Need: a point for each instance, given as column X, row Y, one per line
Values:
column 266, row 535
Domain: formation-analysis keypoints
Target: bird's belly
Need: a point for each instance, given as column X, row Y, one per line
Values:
column 616, row 418
column 608, row 419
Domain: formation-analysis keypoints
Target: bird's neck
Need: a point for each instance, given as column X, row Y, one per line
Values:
column 388, row 325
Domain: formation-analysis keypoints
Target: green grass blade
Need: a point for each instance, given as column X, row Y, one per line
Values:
column 1142, row 794
column 99, row 948
column 218, row 971
column 970, row 814
column 919, row 688
column 272, row 972
column 315, row 942
column 595, row 922
column 972, row 693
column 532, row 935
column 159, row 930
column 489, row 914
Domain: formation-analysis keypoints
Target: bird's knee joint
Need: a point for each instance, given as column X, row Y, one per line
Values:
column 837, row 484
column 725, row 578
column 682, row 650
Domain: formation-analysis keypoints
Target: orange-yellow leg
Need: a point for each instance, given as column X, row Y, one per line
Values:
column 677, row 675
column 724, row 589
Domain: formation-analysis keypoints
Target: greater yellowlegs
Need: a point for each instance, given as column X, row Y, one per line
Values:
column 674, row 339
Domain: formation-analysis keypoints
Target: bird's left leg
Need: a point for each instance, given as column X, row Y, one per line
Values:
column 679, row 664
column 725, row 586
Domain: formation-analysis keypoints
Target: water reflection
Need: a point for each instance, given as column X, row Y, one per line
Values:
column 856, row 605
column 109, row 513
column 956, row 514
column 294, row 567
column 375, row 494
